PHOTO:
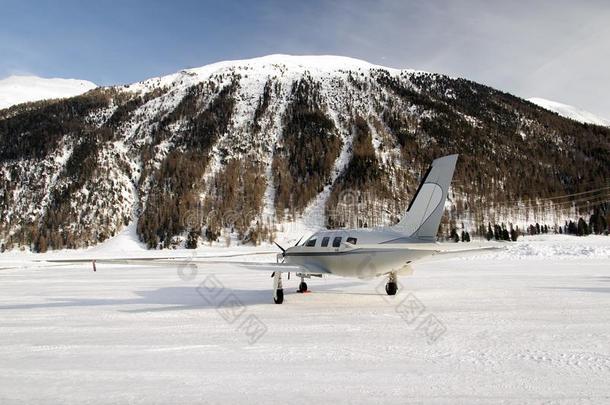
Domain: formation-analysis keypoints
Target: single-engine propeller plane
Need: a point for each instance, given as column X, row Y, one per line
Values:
column 362, row 253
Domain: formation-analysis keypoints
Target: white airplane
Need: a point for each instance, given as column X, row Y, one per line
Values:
column 361, row 253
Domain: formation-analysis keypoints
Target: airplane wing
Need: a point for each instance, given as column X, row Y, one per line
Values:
column 30, row 265
column 477, row 249
column 462, row 251
column 439, row 251
column 201, row 262
column 145, row 258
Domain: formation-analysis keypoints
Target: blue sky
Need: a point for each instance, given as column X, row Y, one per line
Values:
column 555, row 49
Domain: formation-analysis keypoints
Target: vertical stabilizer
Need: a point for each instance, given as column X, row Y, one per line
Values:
column 423, row 216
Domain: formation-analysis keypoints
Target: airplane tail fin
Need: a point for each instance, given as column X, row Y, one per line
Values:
column 423, row 216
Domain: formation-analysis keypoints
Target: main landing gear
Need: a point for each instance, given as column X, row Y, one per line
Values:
column 302, row 286
column 392, row 286
column 278, row 290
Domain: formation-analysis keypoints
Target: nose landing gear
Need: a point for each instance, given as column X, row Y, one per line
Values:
column 278, row 290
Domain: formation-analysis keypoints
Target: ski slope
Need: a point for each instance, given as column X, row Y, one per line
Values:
column 530, row 324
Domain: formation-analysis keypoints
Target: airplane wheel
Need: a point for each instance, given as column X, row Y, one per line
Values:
column 279, row 296
column 303, row 287
column 391, row 288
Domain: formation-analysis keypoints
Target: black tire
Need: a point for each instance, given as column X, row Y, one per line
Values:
column 391, row 288
column 303, row 287
column 280, row 296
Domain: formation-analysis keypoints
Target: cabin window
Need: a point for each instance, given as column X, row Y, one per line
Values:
column 352, row 240
column 337, row 241
column 325, row 241
column 311, row 242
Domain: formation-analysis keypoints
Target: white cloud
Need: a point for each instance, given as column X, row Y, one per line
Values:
column 556, row 49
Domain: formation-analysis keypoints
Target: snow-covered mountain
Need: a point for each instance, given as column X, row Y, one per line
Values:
column 248, row 150
column 569, row 111
column 22, row 89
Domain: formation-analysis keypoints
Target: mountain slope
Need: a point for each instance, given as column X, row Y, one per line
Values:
column 569, row 111
column 248, row 149
column 22, row 89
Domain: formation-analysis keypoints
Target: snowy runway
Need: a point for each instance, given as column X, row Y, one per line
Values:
column 528, row 329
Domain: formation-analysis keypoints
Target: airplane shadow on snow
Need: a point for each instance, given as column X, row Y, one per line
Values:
column 177, row 298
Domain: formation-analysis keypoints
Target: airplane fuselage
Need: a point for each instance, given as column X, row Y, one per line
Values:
column 358, row 253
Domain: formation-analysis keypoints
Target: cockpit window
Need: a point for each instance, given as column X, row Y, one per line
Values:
column 337, row 241
column 352, row 240
column 311, row 242
column 325, row 241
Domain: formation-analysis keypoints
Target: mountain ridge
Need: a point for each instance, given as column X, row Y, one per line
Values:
column 240, row 151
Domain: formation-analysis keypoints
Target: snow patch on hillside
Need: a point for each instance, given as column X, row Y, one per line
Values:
column 569, row 111
column 22, row 89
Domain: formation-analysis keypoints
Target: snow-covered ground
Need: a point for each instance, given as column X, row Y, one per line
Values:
column 22, row 89
column 530, row 324
column 569, row 111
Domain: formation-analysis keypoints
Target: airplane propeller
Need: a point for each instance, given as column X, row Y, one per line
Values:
column 284, row 253
column 281, row 248
column 284, row 250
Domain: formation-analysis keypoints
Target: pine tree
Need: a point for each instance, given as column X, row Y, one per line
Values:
column 572, row 228
column 490, row 234
column 41, row 245
column 513, row 233
column 191, row 240
column 505, row 235
column 597, row 222
column 583, row 229
column 497, row 232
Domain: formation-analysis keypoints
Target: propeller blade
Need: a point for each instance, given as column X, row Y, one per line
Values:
column 297, row 244
column 281, row 248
